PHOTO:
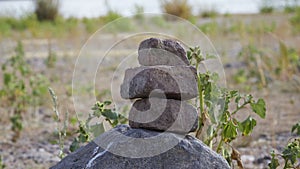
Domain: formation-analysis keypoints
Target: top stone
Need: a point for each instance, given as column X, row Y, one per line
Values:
column 154, row 51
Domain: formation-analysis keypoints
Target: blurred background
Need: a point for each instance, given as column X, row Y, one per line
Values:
column 257, row 41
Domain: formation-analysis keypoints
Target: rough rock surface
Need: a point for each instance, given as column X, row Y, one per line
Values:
column 154, row 51
column 189, row 153
column 172, row 82
column 163, row 114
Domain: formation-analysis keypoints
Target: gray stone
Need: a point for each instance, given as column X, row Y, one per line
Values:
column 163, row 115
column 187, row 153
column 172, row 82
column 154, row 51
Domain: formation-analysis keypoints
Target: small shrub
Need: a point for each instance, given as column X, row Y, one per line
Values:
column 290, row 9
column 110, row 16
column 295, row 20
column 46, row 10
column 5, row 28
column 266, row 9
column 290, row 153
column 86, row 131
column 62, row 130
column 90, row 24
column 21, row 89
column 179, row 8
column 216, row 115
column 51, row 58
column 264, row 66
column 291, row 6
column 209, row 13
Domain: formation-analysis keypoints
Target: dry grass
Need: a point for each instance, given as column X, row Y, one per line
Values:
column 179, row 8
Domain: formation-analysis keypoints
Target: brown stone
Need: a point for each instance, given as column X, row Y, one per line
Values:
column 172, row 82
column 163, row 115
column 154, row 51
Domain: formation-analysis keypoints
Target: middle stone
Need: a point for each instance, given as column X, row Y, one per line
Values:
column 171, row 82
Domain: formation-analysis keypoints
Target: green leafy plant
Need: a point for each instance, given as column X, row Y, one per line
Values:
column 264, row 66
column 209, row 13
column 110, row 16
column 87, row 131
column 20, row 89
column 61, row 130
column 290, row 153
column 216, row 115
column 91, row 24
column 296, row 128
column 266, row 7
column 51, row 58
column 295, row 20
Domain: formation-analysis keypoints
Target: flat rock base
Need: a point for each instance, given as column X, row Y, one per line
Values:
column 189, row 153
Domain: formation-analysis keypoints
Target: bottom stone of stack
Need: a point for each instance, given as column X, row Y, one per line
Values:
column 163, row 115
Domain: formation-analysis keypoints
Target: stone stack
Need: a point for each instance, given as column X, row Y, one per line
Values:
column 162, row 84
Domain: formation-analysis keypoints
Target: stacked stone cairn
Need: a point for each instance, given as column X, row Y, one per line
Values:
column 162, row 84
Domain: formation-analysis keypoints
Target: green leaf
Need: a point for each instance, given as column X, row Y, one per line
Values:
column 291, row 152
column 82, row 138
column 189, row 55
column 233, row 93
column 210, row 56
column 7, row 78
column 75, row 145
column 248, row 98
column 109, row 114
column 16, row 121
column 246, row 127
column 296, row 128
column 97, row 129
column 230, row 131
column 107, row 102
column 274, row 161
column 259, row 108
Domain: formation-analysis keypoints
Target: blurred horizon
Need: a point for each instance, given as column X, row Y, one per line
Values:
column 96, row 8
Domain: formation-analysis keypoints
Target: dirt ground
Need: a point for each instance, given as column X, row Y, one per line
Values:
column 35, row 148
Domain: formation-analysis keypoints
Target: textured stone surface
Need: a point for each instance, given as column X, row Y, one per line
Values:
column 189, row 153
column 163, row 114
column 172, row 82
column 154, row 51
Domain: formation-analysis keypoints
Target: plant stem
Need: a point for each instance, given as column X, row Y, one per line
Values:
column 220, row 145
column 215, row 134
column 202, row 117
column 240, row 107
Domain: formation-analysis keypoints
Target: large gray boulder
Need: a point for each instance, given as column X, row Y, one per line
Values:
column 187, row 152
column 171, row 82
column 163, row 115
column 155, row 51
